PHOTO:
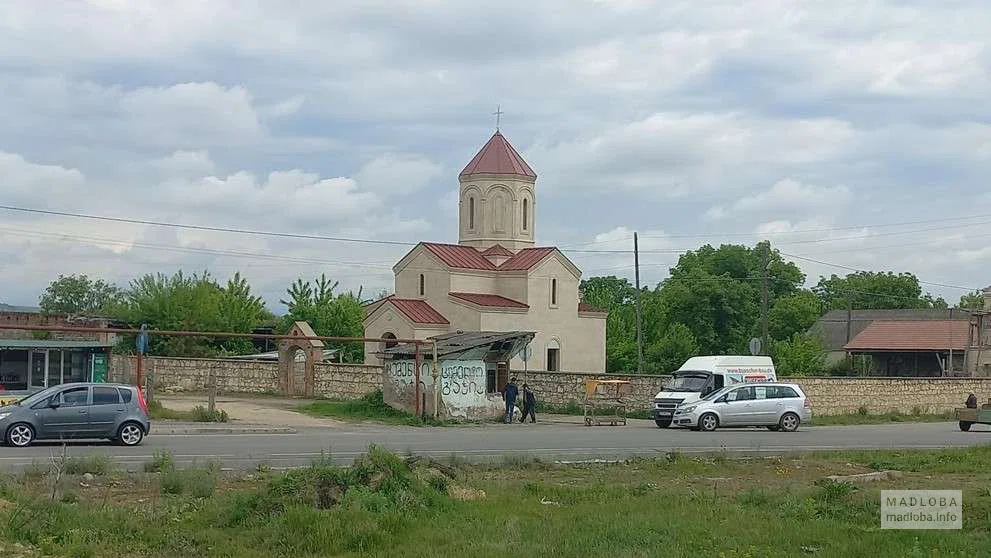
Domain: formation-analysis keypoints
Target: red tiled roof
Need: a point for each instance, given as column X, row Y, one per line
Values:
column 461, row 257
column 912, row 336
column 494, row 301
column 526, row 258
column 497, row 250
column 498, row 157
column 583, row 307
column 418, row 311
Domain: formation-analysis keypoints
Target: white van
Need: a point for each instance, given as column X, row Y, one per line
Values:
column 704, row 374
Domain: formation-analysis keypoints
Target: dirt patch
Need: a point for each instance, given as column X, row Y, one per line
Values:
column 269, row 412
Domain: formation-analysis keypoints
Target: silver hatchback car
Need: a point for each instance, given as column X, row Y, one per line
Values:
column 777, row 406
column 77, row 411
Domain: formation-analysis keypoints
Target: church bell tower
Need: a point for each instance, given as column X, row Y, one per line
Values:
column 497, row 204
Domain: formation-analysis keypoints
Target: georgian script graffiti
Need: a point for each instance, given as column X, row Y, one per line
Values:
column 459, row 378
column 463, row 379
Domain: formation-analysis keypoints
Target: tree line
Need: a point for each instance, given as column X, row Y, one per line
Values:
column 710, row 304
column 199, row 302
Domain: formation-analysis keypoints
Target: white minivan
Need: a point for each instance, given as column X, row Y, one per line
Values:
column 702, row 375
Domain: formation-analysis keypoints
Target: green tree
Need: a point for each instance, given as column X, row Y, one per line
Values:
column 719, row 311
column 971, row 301
column 80, row 295
column 240, row 311
column 669, row 352
column 329, row 314
column 616, row 296
column 799, row 356
column 793, row 314
column 870, row 290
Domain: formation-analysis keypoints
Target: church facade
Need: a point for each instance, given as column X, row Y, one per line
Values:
column 496, row 278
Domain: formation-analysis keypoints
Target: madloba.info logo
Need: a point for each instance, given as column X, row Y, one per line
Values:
column 921, row 509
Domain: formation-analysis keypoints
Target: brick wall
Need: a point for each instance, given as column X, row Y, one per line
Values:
column 830, row 396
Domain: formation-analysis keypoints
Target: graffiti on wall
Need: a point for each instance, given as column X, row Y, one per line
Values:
column 462, row 382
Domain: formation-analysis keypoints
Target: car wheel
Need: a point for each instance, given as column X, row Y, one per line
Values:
column 708, row 422
column 965, row 426
column 20, row 435
column 774, row 428
column 130, row 434
column 662, row 423
column 789, row 422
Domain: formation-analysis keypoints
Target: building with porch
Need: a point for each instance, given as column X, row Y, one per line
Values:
column 32, row 360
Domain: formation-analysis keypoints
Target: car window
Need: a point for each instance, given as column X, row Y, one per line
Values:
column 75, row 397
column 740, row 394
column 784, row 392
column 761, row 392
column 125, row 395
column 104, row 395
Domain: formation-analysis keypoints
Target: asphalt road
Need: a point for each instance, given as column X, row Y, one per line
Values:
column 494, row 442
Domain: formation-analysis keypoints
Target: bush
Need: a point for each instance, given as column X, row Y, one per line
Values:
column 162, row 462
column 93, row 464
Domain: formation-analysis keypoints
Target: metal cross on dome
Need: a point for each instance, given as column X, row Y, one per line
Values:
column 498, row 114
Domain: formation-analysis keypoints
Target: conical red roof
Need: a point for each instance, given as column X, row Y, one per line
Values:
column 498, row 157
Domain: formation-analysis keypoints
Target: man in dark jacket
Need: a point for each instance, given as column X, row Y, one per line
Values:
column 512, row 391
column 529, row 404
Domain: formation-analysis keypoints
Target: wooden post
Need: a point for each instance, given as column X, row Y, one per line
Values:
column 212, row 390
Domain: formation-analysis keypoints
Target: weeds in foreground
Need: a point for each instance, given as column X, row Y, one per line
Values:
column 371, row 407
column 197, row 414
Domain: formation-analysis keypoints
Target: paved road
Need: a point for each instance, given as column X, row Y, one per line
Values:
column 494, row 442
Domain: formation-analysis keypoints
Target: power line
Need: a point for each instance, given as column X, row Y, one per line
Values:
column 848, row 268
column 802, row 231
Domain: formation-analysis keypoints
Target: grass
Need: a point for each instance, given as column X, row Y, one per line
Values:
column 371, row 407
column 197, row 414
column 384, row 507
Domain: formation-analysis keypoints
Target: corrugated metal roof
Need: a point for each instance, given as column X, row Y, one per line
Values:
column 460, row 257
column 491, row 346
column 418, row 311
column 912, row 336
column 490, row 300
column 831, row 329
column 51, row 344
column 526, row 259
column 498, row 156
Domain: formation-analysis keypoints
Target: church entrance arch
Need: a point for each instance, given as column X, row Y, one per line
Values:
column 297, row 358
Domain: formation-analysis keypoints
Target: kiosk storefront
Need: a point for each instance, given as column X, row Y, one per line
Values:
column 35, row 364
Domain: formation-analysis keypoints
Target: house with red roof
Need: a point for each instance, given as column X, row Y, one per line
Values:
column 496, row 278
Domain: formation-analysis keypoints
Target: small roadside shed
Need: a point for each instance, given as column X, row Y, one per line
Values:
column 474, row 370
column 921, row 348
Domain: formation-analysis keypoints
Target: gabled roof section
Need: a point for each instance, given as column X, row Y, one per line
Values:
column 588, row 308
column 912, row 336
column 459, row 257
column 498, row 250
column 498, row 156
column 526, row 259
column 489, row 300
column 418, row 311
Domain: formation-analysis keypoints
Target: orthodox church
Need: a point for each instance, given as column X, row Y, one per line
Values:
column 496, row 278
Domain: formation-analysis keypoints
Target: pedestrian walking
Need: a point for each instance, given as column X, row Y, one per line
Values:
column 510, row 395
column 529, row 404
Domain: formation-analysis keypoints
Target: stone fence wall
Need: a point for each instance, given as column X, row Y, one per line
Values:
column 830, row 396
column 175, row 375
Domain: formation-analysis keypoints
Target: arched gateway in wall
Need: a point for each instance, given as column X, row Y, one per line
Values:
column 291, row 383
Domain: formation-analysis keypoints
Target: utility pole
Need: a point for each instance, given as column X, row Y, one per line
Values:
column 636, row 265
column 765, row 263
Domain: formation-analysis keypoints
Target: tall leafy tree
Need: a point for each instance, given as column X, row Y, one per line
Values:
column 870, row 290
column 80, row 295
column 971, row 301
column 330, row 314
column 793, row 314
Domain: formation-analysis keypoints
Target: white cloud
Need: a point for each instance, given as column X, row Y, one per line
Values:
column 395, row 174
column 785, row 196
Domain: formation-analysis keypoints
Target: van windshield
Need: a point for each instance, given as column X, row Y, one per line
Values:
column 687, row 381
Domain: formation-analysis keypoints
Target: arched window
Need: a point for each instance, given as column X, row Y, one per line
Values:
column 526, row 212
column 553, row 363
column 422, row 284
column 471, row 213
column 389, row 335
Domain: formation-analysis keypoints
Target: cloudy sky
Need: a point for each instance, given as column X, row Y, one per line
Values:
column 853, row 133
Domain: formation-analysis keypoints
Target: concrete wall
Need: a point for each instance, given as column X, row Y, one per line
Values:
column 830, row 396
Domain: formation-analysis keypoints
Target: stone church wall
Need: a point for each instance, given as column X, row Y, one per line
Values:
column 830, row 396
